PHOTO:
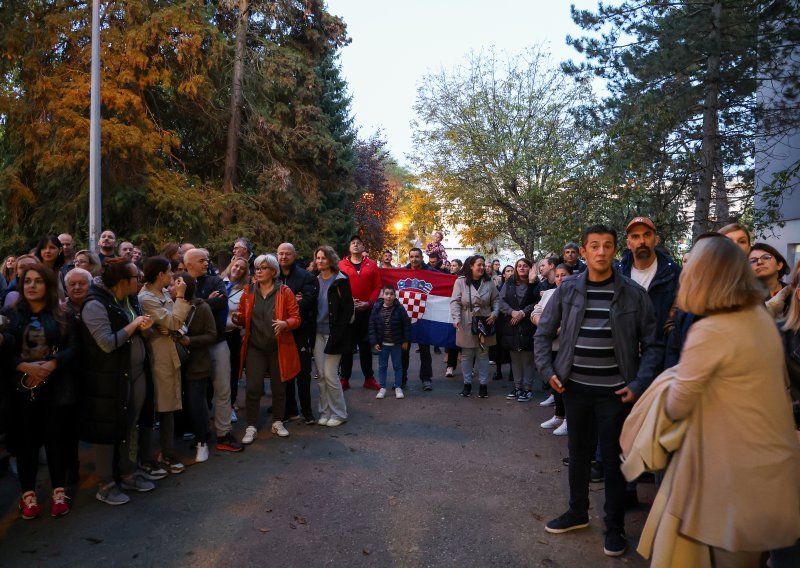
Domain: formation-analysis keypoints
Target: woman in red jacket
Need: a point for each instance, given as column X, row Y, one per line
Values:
column 268, row 312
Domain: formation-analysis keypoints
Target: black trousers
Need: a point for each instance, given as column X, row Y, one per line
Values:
column 36, row 424
column 360, row 331
column 595, row 415
column 425, row 360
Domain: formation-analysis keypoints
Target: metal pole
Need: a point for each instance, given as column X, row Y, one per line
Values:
column 95, row 220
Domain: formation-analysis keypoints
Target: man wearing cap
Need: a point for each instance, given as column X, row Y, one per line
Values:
column 572, row 258
column 651, row 268
column 365, row 283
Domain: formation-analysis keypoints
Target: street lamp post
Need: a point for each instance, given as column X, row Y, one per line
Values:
column 398, row 227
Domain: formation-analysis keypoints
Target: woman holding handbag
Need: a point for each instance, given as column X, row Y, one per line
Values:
column 167, row 317
column 268, row 312
column 39, row 344
column 474, row 306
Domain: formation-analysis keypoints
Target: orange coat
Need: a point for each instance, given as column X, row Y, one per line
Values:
column 286, row 309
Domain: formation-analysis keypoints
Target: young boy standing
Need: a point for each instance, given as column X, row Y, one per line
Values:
column 389, row 334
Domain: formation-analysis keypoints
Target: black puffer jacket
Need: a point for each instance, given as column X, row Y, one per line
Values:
column 300, row 280
column 340, row 316
column 517, row 337
column 399, row 324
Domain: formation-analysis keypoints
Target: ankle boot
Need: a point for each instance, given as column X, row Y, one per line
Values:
column 467, row 390
column 483, row 391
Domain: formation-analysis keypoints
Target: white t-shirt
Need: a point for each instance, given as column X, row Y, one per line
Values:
column 644, row 277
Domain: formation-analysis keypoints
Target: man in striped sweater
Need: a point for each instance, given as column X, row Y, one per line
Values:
column 609, row 353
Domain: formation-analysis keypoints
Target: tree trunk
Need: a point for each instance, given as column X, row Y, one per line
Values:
column 721, row 207
column 232, row 147
column 709, row 150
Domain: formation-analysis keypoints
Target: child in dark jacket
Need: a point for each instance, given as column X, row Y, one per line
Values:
column 389, row 334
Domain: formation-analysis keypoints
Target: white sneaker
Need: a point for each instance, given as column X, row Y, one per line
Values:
column 333, row 422
column 250, row 434
column 554, row 422
column 449, row 372
column 398, row 393
column 277, row 428
column 561, row 430
column 322, row 421
column 202, row 453
column 381, row 393
column 549, row 401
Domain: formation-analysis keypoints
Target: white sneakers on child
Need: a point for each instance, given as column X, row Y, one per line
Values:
column 398, row 393
column 381, row 393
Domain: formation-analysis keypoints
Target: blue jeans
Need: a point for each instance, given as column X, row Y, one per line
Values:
column 396, row 353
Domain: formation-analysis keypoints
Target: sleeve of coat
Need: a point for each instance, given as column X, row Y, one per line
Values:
column 702, row 355
column 161, row 316
column 455, row 301
column 347, row 306
column 372, row 331
column 495, row 301
column 546, row 332
column 504, row 307
column 310, row 293
column 205, row 326
column 292, row 308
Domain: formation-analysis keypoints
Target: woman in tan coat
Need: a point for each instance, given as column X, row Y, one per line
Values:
column 168, row 317
column 474, row 294
column 736, row 485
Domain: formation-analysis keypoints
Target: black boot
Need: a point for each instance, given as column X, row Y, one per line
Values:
column 483, row 391
column 467, row 390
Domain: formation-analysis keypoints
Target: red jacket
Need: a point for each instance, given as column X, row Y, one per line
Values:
column 286, row 309
column 366, row 284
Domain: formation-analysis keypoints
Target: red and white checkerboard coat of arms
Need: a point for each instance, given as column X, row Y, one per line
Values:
column 413, row 294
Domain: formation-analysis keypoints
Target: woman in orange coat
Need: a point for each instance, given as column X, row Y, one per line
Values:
column 268, row 312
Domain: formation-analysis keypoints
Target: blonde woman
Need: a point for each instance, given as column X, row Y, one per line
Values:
column 731, row 390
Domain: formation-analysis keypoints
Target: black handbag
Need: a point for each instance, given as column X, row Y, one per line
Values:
column 480, row 326
column 183, row 351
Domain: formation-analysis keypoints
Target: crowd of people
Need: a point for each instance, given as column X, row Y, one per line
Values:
column 106, row 347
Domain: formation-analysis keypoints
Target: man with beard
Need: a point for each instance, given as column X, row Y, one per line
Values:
column 107, row 245
column 651, row 268
column 386, row 259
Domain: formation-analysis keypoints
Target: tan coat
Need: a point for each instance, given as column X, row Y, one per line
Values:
column 485, row 301
column 164, row 361
column 736, row 481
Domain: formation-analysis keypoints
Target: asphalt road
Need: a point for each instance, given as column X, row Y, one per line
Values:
column 430, row 480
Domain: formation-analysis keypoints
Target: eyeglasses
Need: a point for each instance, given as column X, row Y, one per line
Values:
column 263, row 268
column 762, row 258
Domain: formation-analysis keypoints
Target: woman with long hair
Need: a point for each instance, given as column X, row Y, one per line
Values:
column 268, row 312
column 474, row 306
column 168, row 317
column 114, row 332
column 517, row 299
column 14, row 289
column 730, row 388
column 9, row 268
column 50, row 252
column 236, row 278
column 39, row 345
column 333, row 316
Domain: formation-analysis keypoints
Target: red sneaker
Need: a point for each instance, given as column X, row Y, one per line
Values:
column 345, row 383
column 60, row 506
column 29, row 506
column 371, row 383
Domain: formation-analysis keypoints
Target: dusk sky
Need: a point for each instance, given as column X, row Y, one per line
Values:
column 394, row 44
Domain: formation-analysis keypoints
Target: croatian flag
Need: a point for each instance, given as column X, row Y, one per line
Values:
column 425, row 294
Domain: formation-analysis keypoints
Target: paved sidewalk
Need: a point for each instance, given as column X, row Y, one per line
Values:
column 430, row 480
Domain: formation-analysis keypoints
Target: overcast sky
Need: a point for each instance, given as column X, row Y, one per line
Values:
column 394, row 44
